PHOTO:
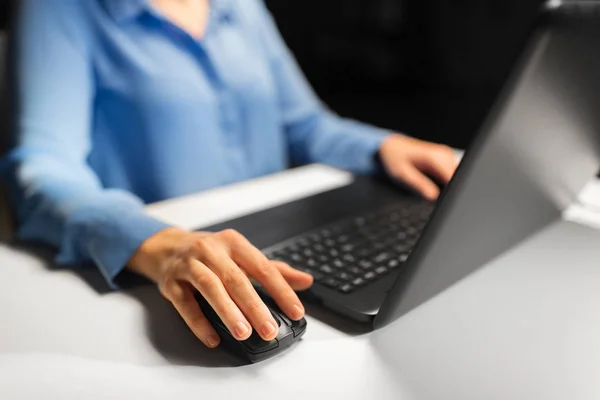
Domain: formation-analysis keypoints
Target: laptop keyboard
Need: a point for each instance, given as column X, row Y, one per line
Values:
column 357, row 251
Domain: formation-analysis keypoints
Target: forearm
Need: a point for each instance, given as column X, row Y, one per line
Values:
column 340, row 142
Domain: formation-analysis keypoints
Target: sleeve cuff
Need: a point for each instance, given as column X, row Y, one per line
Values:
column 366, row 142
column 111, row 253
column 107, row 232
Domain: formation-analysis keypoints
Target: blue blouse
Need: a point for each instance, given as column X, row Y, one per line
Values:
column 117, row 107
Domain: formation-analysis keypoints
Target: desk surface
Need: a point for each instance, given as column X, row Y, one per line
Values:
column 526, row 326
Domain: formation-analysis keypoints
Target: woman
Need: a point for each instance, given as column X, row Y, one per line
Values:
column 124, row 102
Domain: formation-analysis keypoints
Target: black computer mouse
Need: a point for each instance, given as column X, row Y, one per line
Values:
column 255, row 348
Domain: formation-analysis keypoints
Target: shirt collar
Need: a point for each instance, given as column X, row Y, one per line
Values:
column 123, row 10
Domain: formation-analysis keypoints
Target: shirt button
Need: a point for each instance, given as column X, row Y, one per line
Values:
column 228, row 113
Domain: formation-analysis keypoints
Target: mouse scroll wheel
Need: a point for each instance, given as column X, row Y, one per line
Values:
column 276, row 318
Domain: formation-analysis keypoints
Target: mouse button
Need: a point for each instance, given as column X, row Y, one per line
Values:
column 298, row 327
column 284, row 331
column 255, row 344
column 281, row 315
column 276, row 317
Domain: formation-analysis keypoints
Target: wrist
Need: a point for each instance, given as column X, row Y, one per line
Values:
column 383, row 150
column 151, row 257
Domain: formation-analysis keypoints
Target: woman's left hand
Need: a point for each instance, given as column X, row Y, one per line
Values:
column 415, row 162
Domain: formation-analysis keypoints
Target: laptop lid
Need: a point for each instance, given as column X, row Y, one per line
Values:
column 539, row 147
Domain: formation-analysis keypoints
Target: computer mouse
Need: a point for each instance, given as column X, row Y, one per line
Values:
column 255, row 348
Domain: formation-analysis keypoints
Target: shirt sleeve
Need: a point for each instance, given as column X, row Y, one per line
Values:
column 60, row 199
column 314, row 133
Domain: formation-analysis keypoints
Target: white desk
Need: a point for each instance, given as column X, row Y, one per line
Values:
column 526, row 326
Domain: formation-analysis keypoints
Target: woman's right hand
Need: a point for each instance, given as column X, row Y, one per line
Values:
column 218, row 265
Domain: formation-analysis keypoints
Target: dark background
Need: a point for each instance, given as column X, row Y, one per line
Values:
column 4, row 12
column 430, row 68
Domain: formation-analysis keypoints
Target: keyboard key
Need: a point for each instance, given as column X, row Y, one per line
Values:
column 326, row 233
column 382, row 270
column 317, row 276
column 338, row 263
column 364, row 264
column 359, row 282
column 329, row 242
column 369, row 276
column 346, row 288
column 355, row 270
column 293, row 248
column 403, row 257
column 302, row 242
column 343, row 276
column 320, row 248
column 349, row 257
column 295, row 257
column 323, row 258
column 334, row 253
column 343, row 238
column 393, row 264
column 348, row 247
column 308, row 252
column 381, row 257
column 326, row 269
column 311, row 262
column 331, row 282
column 401, row 248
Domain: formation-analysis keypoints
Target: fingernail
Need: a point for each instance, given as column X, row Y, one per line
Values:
column 241, row 329
column 298, row 311
column 268, row 328
column 212, row 341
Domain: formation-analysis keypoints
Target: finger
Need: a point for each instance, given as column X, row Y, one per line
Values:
column 182, row 298
column 240, row 289
column 298, row 280
column 440, row 167
column 419, row 182
column 211, row 288
column 264, row 271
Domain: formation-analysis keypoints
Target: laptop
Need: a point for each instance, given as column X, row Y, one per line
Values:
column 376, row 251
